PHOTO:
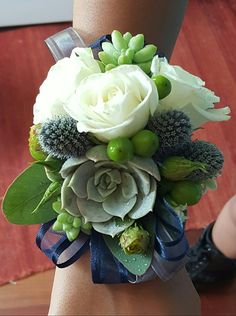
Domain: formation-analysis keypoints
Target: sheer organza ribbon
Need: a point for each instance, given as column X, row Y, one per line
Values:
column 170, row 248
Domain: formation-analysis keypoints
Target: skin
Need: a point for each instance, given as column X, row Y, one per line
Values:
column 74, row 294
column 224, row 229
column 73, row 291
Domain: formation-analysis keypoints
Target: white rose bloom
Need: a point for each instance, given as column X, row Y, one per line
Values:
column 117, row 103
column 62, row 80
column 188, row 94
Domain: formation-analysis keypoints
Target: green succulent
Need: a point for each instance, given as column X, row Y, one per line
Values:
column 68, row 223
column 127, row 49
column 108, row 194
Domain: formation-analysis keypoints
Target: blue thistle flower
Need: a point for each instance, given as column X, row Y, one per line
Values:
column 174, row 130
column 60, row 138
column 207, row 153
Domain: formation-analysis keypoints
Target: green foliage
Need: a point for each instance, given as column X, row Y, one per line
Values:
column 24, row 195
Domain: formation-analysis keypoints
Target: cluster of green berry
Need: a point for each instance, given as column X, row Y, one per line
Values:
column 144, row 144
column 68, row 223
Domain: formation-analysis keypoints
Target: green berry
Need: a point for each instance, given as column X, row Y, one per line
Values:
column 72, row 234
column 57, row 226
column 66, row 226
column 63, row 217
column 186, row 192
column 57, row 206
column 77, row 222
column 120, row 149
column 163, row 86
column 145, row 143
column 70, row 219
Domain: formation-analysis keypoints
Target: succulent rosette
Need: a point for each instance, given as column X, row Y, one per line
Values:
column 108, row 194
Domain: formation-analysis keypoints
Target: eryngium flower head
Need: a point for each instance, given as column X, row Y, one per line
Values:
column 60, row 138
column 208, row 154
column 174, row 130
column 134, row 240
column 106, row 193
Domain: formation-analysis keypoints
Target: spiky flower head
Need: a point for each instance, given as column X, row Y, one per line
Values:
column 134, row 240
column 60, row 138
column 207, row 153
column 174, row 130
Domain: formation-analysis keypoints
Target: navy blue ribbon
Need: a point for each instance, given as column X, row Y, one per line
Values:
column 170, row 242
column 104, row 266
column 58, row 248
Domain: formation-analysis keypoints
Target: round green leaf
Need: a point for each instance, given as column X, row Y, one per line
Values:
column 24, row 195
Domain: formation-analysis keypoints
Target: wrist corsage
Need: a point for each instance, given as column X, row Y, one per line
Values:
column 115, row 164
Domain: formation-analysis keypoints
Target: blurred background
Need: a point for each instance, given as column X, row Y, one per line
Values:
column 205, row 47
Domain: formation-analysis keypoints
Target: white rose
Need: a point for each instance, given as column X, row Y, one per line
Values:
column 61, row 82
column 188, row 94
column 117, row 103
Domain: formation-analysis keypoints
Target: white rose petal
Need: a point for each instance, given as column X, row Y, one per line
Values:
column 188, row 94
column 62, row 80
column 117, row 103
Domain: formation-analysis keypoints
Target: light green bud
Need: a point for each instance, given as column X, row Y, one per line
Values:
column 77, row 222
column 86, row 227
column 106, row 59
column 123, row 59
column 134, row 240
column 101, row 65
column 109, row 48
column 118, row 41
column 34, row 146
column 146, row 67
column 177, row 168
column 130, row 53
column 109, row 67
column 62, row 218
column 66, row 226
column 72, row 234
column 127, row 37
column 145, row 54
column 57, row 226
column 57, row 207
column 137, row 42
